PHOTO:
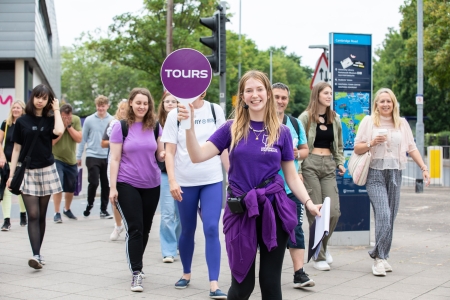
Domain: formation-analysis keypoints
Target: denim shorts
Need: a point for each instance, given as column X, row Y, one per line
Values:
column 67, row 175
column 299, row 236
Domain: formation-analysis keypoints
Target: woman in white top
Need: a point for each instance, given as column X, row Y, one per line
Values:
column 191, row 184
column 388, row 137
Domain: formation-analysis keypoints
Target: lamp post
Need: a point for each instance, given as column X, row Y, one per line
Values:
column 323, row 47
column 419, row 97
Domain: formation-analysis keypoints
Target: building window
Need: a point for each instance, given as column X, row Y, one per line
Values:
column 46, row 20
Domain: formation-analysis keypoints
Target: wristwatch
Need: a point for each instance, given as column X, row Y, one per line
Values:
column 368, row 145
column 68, row 126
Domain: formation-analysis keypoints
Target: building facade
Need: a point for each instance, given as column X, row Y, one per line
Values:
column 29, row 50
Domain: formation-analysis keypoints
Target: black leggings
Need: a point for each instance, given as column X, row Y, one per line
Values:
column 137, row 207
column 37, row 210
column 270, row 266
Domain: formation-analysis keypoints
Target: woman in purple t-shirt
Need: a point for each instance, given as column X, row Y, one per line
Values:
column 135, row 177
column 258, row 144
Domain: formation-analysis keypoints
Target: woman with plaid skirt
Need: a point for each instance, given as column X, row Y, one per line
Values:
column 41, row 178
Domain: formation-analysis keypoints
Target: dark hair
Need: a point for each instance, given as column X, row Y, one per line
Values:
column 40, row 91
column 66, row 108
column 281, row 86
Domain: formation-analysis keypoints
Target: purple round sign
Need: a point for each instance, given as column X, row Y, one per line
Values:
column 186, row 73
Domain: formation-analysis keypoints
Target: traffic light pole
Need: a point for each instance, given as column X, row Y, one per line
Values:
column 223, row 75
column 419, row 97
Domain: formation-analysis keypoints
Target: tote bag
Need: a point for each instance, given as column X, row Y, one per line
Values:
column 358, row 167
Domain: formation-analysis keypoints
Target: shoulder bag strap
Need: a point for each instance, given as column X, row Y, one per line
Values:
column 4, row 138
column 213, row 112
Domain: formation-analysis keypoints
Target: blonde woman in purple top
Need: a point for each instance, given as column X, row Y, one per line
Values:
column 135, row 177
column 388, row 138
column 258, row 144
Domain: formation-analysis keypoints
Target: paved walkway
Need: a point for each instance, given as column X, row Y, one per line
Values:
column 82, row 263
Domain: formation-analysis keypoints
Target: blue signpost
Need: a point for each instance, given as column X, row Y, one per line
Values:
column 351, row 72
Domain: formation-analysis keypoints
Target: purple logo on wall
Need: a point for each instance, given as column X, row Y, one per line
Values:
column 186, row 73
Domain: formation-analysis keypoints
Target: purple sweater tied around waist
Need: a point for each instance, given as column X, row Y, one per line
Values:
column 240, row 229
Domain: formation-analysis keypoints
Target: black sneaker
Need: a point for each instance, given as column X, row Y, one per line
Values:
column 301, row 279
column 69, row 214
column 87, row 212
column 105, row 215
column 6, row 225
column 23, row 219
column 57, row 218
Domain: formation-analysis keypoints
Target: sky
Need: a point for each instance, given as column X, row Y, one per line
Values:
column 296, row 24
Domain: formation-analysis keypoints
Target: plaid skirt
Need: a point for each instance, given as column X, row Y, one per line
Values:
column 41, row 182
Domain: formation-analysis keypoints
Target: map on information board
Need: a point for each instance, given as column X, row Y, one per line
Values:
column 352, row 108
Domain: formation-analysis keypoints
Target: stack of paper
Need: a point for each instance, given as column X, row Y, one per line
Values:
column 319, row 229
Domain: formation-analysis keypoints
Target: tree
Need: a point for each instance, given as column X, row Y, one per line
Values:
column 396, row 67
column 436, row 38
column 85, row 75
column 139, row 41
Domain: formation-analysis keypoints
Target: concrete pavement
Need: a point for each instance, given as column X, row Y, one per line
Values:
column 82, row 263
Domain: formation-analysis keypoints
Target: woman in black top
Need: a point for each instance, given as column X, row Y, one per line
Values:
column 6, row 133
column 324, row 133
column 41, row 178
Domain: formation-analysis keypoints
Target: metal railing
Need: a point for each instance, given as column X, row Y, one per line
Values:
column 409, row 174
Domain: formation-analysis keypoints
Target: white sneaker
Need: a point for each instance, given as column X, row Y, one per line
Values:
column 168, row 259
column 387, row 266
column 321, row 265
column 116, row 233
column 378, row 267
column 136, row 282
column 329, row 258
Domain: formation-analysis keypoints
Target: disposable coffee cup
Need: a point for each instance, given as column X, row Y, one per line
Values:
column 382, row 132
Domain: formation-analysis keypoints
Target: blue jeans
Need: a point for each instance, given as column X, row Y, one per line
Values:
column 170, row 228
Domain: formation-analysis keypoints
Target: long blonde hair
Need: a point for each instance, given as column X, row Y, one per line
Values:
column 10, row 118
column 241, row 124
column 313, row 109
column 395, row 111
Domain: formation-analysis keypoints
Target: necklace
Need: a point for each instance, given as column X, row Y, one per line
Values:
column 257, row 131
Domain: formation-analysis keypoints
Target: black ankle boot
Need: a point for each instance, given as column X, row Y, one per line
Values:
column 6, row 225
column 23, row 219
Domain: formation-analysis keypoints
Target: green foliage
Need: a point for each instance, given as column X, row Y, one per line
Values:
column 437, row 139
column 396, row 67
column 85, row 75
column 135, row 47
column 436, row 38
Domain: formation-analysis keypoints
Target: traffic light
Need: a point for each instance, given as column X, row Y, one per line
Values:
column 216, row 42
column 213, row 41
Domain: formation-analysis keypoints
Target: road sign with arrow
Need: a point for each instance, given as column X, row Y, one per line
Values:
column 321, row 72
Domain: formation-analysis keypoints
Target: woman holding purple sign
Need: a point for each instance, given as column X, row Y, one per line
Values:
column 262, row 214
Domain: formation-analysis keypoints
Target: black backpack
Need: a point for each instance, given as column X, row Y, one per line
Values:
column 124, row 125
column 294, row 123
